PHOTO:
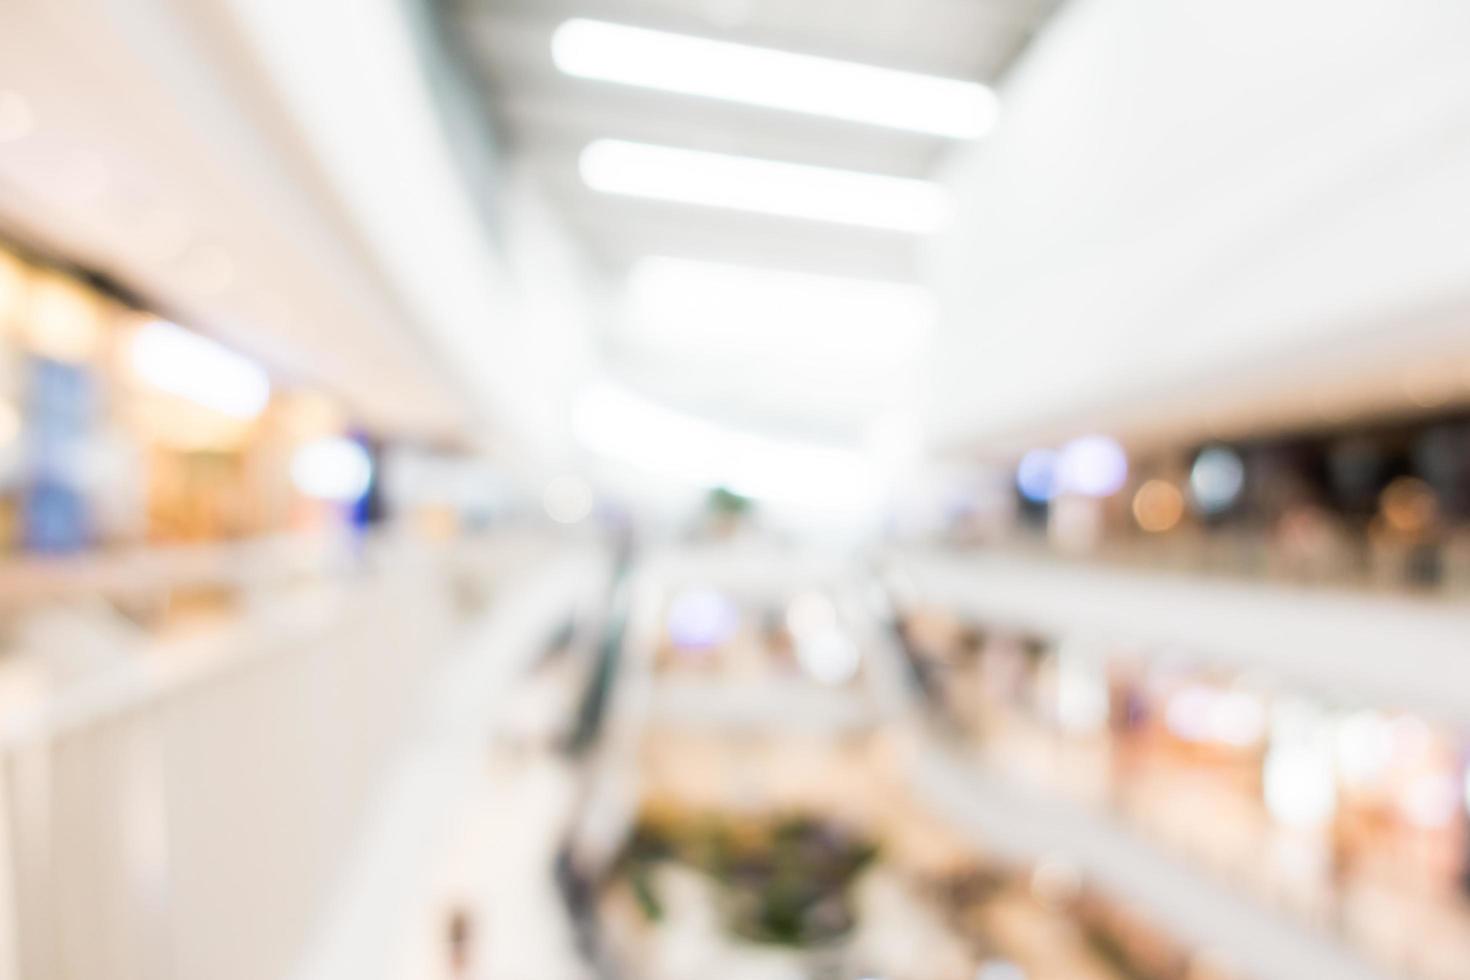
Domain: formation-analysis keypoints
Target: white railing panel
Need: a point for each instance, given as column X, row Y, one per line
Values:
column 188, row 819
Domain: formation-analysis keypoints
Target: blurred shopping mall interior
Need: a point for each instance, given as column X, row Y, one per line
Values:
column 734, row 490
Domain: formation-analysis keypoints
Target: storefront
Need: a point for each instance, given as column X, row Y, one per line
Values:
column 120, row 427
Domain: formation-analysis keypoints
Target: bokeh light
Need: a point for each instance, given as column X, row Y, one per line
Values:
column 567, row 499
column 1216, row 480
column 1409, row 505
column 1298, row 778
column 1202, row 713
column 1036, row 476
column 335, row 469
column 1158, row 506
column 1093, row 466
column 702, row 619
column 828, row 656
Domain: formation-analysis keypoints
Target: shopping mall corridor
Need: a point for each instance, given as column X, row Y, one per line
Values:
column 740, row 489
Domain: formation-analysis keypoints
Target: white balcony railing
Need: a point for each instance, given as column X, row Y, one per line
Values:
column 1407, row 652
column 173, row 818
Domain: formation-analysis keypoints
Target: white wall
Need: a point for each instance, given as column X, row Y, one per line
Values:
column 1181, row 194
column 503, row 309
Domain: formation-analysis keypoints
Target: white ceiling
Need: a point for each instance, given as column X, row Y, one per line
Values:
column 1184, row 223
column 1207, row 220
column 545, row 119
column 154, row 156
column 548, row 118
column 1190, row 222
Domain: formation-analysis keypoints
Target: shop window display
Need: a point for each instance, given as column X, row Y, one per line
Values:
column 1352, row 816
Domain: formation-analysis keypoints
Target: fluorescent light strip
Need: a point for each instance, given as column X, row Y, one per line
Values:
column 792, row 190
column 198, row 370
column 774, row 79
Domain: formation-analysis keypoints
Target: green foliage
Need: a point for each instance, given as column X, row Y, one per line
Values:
column 727, row 503
column 784, row 881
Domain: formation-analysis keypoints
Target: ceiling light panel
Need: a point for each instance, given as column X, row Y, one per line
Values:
column 774, row 79
column 771, row 187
